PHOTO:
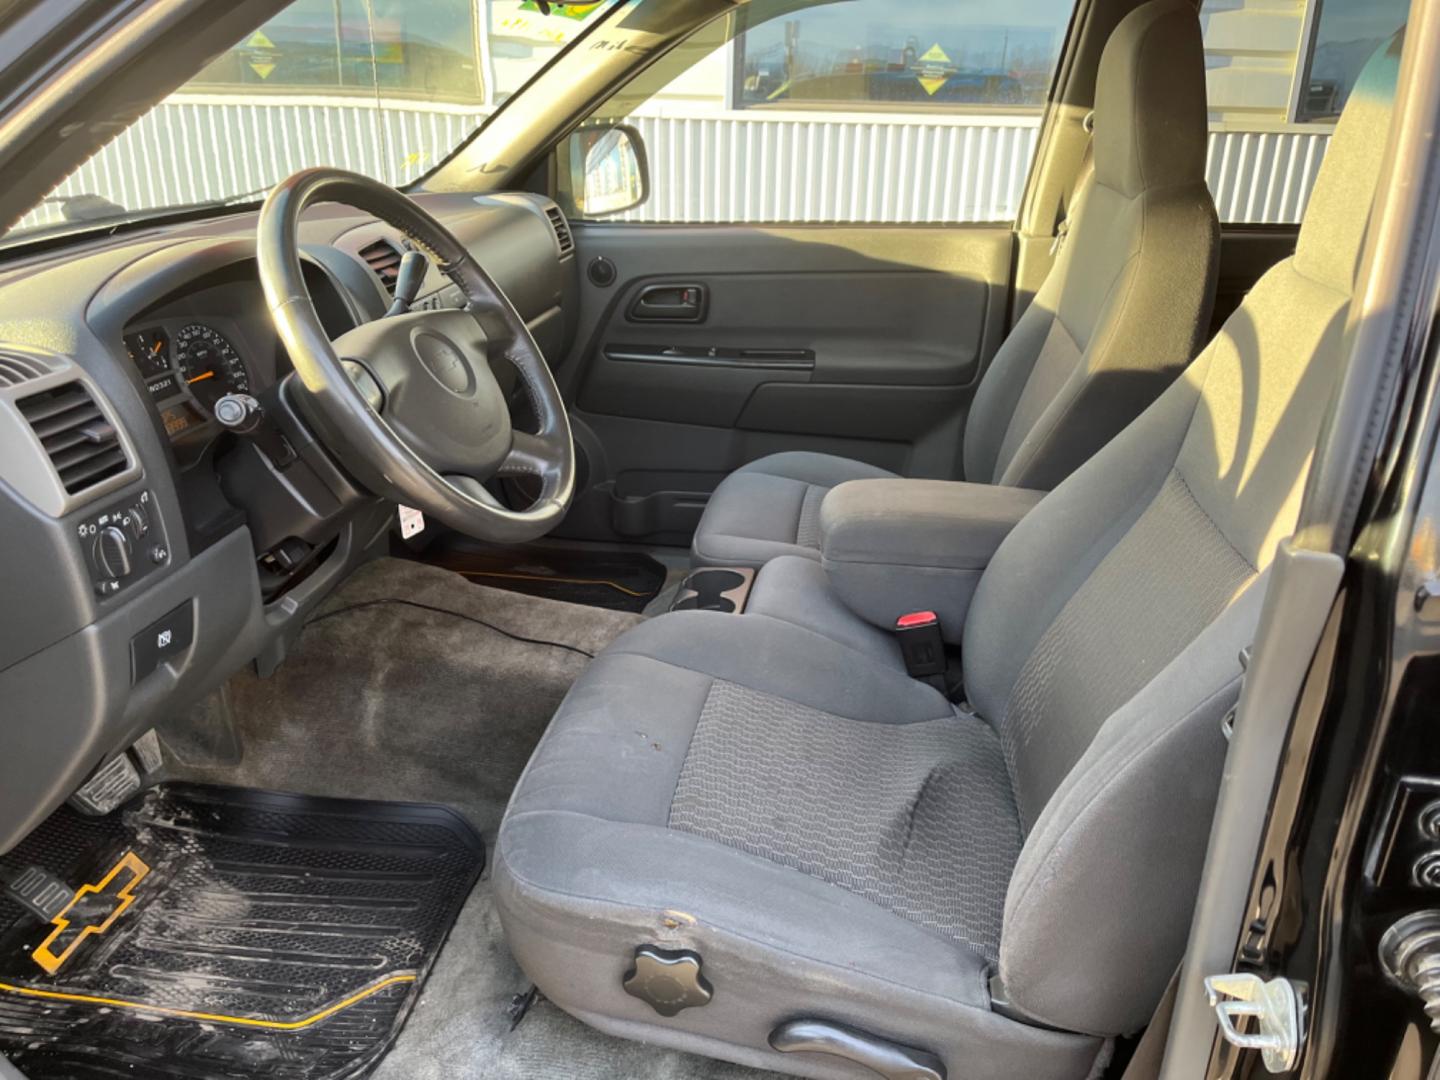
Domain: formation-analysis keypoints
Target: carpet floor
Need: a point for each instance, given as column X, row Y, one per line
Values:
column 398, row 691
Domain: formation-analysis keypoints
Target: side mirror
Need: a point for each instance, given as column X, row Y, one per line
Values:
column 608, row 170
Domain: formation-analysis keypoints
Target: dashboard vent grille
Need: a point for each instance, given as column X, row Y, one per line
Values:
column 80, row 442
column 15, row 370
column 384, row 258
column 562, row 230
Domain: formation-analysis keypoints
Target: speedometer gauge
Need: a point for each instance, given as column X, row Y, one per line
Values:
column 209, row 364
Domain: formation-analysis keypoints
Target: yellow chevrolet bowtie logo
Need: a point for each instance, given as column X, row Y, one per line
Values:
column 92, row 910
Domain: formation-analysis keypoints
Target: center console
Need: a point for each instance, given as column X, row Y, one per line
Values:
column 714, row 588
column 891, row 548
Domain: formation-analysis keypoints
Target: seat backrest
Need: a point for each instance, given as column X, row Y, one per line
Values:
column 1103, row 640
column 1127, row 302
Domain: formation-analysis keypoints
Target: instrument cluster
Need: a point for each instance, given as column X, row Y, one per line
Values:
column 187, row 366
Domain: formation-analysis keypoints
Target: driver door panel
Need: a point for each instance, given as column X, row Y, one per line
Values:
column 712, row 346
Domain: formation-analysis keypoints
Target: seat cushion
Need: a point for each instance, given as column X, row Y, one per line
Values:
column 771, row 507
column 831, row 837
column 917, row 818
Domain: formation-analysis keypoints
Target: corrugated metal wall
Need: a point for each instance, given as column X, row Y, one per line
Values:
column 827, row 167
column 1264, row 176
column 775, row 167
column 757, row 166
column 195, row 149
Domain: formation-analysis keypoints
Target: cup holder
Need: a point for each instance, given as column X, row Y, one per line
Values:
column 715, row 582
column 699, row 602
column 714, row 590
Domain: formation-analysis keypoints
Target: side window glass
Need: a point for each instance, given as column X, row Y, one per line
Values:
column 1277, row 76
column 924, row 59
column 869, row 112
column 351, row 47
column 387, row 88
column 866, row 111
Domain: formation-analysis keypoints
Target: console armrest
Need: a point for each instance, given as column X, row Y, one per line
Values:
column 894, row 546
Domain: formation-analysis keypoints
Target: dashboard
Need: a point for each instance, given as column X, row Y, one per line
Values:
column 153, row 552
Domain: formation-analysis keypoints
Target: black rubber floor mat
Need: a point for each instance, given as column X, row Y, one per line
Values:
column 619, row 581
column 221, row 932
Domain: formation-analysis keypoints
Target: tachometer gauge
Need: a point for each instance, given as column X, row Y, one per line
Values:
column 149, row 351
column 209, row 364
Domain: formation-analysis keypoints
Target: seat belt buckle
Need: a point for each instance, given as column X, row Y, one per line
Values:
column 1062, row 231
column 921, row 645
column 1227, row 725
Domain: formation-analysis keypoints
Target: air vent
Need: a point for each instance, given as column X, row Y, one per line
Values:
column 384, row 258
column 79, row 440
column 15, row 370
column 562, row 230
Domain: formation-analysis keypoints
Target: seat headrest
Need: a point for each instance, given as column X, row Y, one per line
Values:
column 1332, row 231
column 1150, row 113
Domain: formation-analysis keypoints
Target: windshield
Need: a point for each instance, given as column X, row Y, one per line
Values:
column 387, row 88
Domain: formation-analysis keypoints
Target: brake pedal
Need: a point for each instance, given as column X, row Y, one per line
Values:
column 147, row 753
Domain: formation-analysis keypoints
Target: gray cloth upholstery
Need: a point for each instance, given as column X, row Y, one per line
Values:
column 785, row 802
column 797, row 590
column 918, row 818
column 771, row 507
column 1162, row 583
column 588, row 867
column 1129, row 298
column 889, row 547
column 1148, row 108
column 1123, row 310
column 1136, row 787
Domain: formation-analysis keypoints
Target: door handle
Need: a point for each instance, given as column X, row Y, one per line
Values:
column 670, row 303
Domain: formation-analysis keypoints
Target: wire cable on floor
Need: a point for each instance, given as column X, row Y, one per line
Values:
column 362, row 605
column 549, row 579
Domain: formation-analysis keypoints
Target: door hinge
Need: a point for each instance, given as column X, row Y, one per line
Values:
column 1277, row 1006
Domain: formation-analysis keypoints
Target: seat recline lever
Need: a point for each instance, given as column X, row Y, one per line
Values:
column 882, row 1057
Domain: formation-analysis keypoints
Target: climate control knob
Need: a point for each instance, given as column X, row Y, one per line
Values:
column 113, row 552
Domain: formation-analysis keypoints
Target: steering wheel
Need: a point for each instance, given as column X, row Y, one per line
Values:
column 409, row 403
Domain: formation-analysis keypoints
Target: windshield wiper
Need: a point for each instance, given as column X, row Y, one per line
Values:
column 87, row 206
column 227, row 200
column 92, row 206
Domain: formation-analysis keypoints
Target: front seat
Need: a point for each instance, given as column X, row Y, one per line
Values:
column 739, row 836
column 1123, row 310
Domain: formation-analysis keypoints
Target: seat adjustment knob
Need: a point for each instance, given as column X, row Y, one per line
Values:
column 668, row 980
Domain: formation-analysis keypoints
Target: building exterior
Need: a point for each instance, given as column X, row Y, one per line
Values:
column 832, row 113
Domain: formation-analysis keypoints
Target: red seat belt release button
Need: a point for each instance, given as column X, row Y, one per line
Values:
column 921, row 643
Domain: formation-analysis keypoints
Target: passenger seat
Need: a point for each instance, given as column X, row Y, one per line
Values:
column 1124, row 309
